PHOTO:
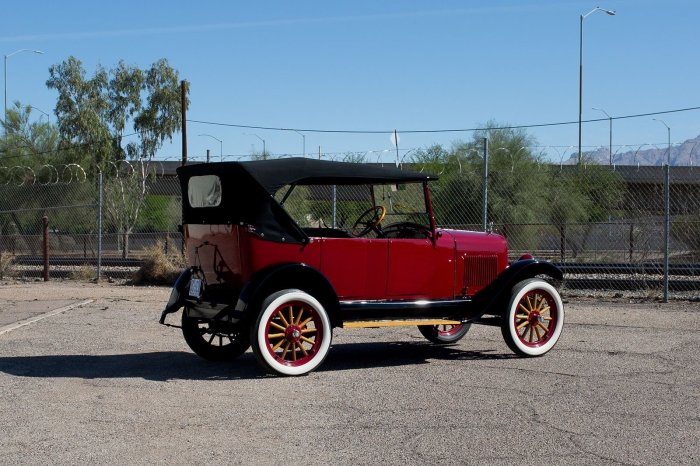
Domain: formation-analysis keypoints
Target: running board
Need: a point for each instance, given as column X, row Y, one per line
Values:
column 398, row 323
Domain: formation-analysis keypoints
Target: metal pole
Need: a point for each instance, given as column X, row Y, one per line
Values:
column 485, row 187
column 610, row 119
column 183, row 105
column 303, row 142
column 4, row 118
column 335, row 198
column 580, row 70
column 396, row 143
column 5, row 74
column 580, row 85
column 208, row 156
column 667, row 224
column 99, row 225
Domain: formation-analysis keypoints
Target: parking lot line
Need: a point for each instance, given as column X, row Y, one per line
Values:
column 31, row 320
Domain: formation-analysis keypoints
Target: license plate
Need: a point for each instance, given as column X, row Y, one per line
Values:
column 195, row 287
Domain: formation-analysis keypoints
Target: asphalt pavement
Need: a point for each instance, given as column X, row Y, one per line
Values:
column 100, row 381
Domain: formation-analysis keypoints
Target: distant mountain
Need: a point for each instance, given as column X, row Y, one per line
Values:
column 646, row 155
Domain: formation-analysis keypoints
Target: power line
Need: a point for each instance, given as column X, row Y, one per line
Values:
column 427, row 131
column 462, row 130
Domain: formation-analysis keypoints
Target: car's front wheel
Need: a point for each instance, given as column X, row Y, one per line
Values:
column 292, row 334
column 533, row 321
column 444, row 334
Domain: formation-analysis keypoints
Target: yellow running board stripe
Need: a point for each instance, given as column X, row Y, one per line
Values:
column 398, row 323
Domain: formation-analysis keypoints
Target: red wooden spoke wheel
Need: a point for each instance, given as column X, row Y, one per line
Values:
column 445, row 333
column 293, row 333
column 534, row 318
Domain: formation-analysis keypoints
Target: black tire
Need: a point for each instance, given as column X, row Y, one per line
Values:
column 215, row 341
column 444, row 334
column 534, row 318
column 292, row 333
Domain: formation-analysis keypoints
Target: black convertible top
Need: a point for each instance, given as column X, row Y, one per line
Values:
column 275, row 173
column 248, row 188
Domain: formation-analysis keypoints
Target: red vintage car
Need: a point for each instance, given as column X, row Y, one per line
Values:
column 282, row 252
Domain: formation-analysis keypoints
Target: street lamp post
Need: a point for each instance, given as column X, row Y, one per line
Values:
column 668, row 157
column 610, row 120
column 48, row 118
column 5, row 70
column 221, row 146
column 303, row 138
column 580, row 72
column 264, row 154
column 667, row 208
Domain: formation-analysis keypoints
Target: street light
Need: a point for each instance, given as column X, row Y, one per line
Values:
column 610, row 120
column 580, row 72
column 264, row 154
column 668, row 159
column 221, row 146
column 48, row 118
column 5, row 69
column 303, row 137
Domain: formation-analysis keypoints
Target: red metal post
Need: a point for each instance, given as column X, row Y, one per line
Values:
column 45, row 222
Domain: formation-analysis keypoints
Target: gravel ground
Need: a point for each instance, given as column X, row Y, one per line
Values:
column 102, row 382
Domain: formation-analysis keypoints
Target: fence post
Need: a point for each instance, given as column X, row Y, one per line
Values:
column 667, row 224
column 99, row 225
column 484, row 208
column 45, row 224
column 631, row 241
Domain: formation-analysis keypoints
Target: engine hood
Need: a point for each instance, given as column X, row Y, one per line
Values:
column 476, row 242
column 479, row 259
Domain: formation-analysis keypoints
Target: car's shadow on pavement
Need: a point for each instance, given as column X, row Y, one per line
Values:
column 174, row 365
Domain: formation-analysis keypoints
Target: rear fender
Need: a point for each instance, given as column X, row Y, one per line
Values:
column 176, row 300
column 494, row 298
column 288, row 276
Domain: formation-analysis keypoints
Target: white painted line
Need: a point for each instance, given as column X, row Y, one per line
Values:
column 31, row 320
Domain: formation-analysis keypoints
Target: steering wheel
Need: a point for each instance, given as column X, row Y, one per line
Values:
column 374, row 215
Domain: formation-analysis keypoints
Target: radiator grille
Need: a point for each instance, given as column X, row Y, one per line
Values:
column 479, row 271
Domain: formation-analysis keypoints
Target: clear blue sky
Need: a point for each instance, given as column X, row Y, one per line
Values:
column 371, row 65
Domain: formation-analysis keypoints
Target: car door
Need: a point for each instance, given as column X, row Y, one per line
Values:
column 356, row 267
column 421, row 268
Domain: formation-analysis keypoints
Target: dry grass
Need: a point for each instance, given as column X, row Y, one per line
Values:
column 6, row 263
column 85, row 273
column 159, row 268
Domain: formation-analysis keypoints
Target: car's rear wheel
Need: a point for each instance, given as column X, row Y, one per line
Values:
column 533, row 321
column 216, row 341
column 444, row 334
column 292, row 334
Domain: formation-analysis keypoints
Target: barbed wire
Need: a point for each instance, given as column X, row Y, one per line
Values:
column 338, row 155
column 52, row 174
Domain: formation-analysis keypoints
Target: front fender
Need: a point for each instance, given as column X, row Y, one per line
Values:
column 493, row 298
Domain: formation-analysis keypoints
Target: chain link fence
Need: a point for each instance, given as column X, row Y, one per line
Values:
column 82, row 223
column 614, row 229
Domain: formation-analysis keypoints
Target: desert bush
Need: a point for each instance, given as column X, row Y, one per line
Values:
column 159, row 267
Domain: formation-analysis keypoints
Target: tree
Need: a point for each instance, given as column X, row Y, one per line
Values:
column 96, row 113
column 525, row 196
column 517, row 182
column 26, row 142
